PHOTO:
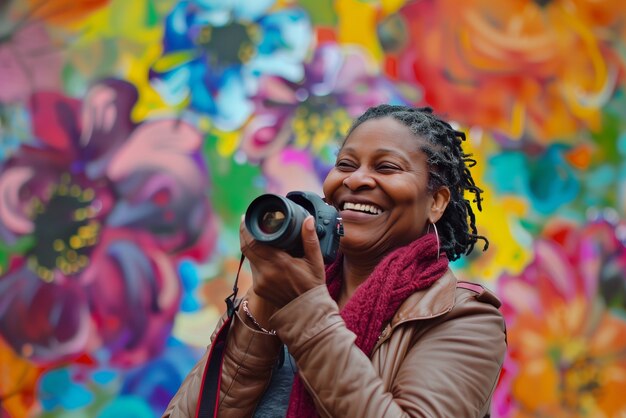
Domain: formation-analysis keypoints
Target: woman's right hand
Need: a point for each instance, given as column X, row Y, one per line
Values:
column 278, row 277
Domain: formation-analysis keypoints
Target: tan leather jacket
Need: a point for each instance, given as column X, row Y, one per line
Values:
column 440, row 356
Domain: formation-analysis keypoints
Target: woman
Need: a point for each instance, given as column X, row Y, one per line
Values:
column 385, row 330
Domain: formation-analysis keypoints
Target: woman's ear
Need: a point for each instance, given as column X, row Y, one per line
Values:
column 440, row 201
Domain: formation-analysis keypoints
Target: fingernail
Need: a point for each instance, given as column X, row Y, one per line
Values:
column 310, row 225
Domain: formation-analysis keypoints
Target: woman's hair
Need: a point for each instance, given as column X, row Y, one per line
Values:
column 448, row 166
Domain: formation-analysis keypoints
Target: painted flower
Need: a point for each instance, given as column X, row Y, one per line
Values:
column 214, row 53
column 542, row 69
column 566, row 326
column 338, row 85
column 109, row 207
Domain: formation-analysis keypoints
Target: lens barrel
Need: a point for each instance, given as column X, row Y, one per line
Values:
column 276, row 220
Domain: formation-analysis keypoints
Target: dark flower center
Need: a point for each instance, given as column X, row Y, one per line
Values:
column 230, row 44
column 66, row 229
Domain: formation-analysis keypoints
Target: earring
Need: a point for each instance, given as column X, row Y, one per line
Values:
column 436, row 236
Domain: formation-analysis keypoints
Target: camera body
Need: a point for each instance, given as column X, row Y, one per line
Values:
column 277, row 221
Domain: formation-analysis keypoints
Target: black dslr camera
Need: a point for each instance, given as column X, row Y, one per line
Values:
column 277, row 221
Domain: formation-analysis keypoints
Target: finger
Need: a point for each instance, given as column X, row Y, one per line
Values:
column 248, row 245
column 311, row 243
column 244, row 236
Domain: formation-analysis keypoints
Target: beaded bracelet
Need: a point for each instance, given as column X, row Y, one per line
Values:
column 244, row 306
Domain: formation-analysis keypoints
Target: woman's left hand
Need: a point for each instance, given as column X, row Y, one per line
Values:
column 277, row 276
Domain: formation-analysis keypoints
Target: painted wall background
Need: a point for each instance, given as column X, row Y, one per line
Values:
column 133, row 135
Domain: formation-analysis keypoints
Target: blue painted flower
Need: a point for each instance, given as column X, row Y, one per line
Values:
column 214, row 52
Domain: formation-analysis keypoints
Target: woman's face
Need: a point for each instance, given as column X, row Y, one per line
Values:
column 380, row 186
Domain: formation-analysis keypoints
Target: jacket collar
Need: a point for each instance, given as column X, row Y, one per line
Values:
column 433, row 301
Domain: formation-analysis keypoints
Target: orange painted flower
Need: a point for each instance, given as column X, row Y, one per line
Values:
column 566, row 328
column 542, row 69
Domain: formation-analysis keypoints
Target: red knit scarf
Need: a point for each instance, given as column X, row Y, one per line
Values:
column 401, row 273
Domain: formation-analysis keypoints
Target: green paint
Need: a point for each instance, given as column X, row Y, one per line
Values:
column 606, row 139
column 21, row 246
column 613, row 125
column 152, row 16
column 233, row 185
column 532, row 226
column 321, row 12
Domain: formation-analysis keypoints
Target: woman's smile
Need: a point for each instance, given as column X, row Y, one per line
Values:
column 357, row 210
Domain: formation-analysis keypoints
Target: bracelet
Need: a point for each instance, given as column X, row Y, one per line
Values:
column 244, row 306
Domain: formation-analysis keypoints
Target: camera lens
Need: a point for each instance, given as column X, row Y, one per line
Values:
column 277, row 221
column 271, row 221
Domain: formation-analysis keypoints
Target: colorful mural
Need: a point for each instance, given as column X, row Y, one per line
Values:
column 133, row 135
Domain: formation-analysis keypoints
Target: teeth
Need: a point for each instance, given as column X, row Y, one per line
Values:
column 362, row 208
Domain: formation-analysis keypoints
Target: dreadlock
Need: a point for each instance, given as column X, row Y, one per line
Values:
column 449, row 166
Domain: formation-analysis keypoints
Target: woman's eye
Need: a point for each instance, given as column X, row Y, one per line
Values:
column 344, row 165
column 388, row 167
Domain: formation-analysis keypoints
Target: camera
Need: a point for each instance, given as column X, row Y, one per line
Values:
column 277, row 221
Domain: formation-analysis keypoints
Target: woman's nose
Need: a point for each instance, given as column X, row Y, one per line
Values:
column 359, row 179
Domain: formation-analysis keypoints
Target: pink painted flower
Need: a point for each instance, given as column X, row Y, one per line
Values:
column 102, row 209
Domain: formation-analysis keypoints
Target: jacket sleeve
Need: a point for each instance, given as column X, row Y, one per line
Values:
column 249, row 358
column 449, row 369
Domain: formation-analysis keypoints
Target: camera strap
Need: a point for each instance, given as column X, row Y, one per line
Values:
column 209, row 396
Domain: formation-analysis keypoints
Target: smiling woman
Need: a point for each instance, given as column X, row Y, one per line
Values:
column 381, row 168
column 384, row 330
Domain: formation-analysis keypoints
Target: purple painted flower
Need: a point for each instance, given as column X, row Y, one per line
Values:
column 107, row 207
column 339, row 84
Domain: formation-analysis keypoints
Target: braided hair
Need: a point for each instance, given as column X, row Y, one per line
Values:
column 448, row 166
